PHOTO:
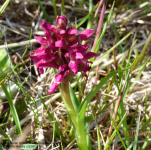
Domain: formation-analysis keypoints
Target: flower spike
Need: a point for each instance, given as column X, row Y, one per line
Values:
column 62, row 50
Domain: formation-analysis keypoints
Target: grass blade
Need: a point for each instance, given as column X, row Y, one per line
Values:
column 141, row 56
column 118, row 132
column 146, row 140
column 3, row 7
column 62, row 7
column 122, row 112
column 86, row 17
column 5, row 136
column 44, row 11
column 90, row 20
column 137, row 131
column 13, row 109
column 1, row 147
column 54, row 8
column 113, row 134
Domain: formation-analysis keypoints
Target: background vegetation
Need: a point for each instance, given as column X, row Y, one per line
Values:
column 120, row 110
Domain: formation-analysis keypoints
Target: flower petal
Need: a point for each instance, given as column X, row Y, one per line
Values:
column 59, row 78
column 39, row 50
column 72, row 31
column 85, row 35
column 47, row 56
column 74, row 66
column 67, row 54
column 41, row 70
column 53, row 87
column 48, row 26
column 44, row 64
column 90, row 55
column 82, row 48
column 35, row 59
column 86, row 67
column 61, row 68
column 78, row 55
column 62, row 32
column 53, row 47
column 48, row 37
column 41, row 40
column 60, row 43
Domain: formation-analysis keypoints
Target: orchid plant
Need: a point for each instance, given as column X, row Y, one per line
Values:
column 62, row 50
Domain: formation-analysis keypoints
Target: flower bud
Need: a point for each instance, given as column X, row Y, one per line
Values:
column 61, row 21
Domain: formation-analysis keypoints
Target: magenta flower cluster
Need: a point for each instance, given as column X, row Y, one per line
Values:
column 62, row 49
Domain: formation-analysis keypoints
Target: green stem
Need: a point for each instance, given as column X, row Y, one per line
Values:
column 13, row 109
column 82, row 141
column 62, row 7
column 77, row 121
column 65, row 93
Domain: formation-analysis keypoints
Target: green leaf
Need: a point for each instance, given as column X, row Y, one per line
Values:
column 3, row 7
column 113, row 134
column 74, row 99
column 117, row 130
column 4, row 64
column 137, row 131
column 121, row 110
column 91, row 18
column 54, row 8
column 142, row 54
column 146, row 140
column 86, row 17
column 13, row 109
column 1, row 147
column 87, row 133
column 134, row 115
column 117, row 37
column 5, row 136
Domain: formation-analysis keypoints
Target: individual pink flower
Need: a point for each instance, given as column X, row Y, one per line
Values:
column 78, row 55
column 59, row 77
column 43, row 60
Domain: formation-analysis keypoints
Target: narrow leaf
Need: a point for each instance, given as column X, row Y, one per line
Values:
column 3, row 7
column 86, row 17
column 137, row 131
column 74, row 99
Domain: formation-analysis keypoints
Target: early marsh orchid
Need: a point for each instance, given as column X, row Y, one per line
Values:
column 62, row 49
